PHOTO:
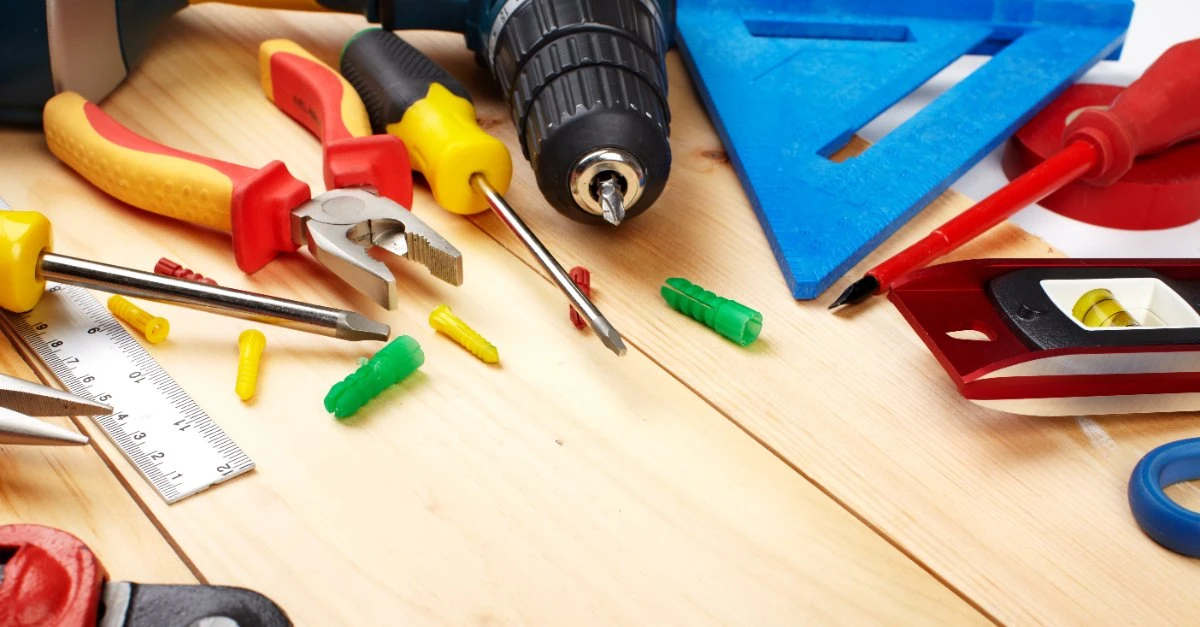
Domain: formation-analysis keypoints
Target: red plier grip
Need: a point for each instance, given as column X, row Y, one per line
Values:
column 253, row 205
column 316, row 96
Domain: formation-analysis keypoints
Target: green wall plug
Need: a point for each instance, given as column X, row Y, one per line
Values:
column 729, row 318
column 391, row 365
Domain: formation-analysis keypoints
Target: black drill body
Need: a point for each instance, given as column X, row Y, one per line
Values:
column 581, row 76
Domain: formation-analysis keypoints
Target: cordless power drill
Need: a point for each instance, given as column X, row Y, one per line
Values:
column 585, row 80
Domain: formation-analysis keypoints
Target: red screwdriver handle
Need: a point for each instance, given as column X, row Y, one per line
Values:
column 1156, row 112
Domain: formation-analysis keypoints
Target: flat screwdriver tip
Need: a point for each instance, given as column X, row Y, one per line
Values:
column 614, row 342
column 603, row 328
column 858, row 291
column 356, row 327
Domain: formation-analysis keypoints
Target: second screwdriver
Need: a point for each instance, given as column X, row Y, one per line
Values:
column 27, row 263
column 411, row 97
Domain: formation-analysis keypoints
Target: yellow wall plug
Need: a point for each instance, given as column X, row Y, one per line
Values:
column 155, row 329
column 251, row 344
column 444, row 320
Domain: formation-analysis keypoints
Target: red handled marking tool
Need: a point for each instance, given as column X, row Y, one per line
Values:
column 1161, row 191
column 50, row 577
column 1100, row 145
column 267, row 211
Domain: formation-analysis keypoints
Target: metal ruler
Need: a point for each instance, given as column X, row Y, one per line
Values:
column 159, row 428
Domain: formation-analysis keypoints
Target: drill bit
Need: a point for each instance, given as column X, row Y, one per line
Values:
column 612, row 202
column 600, row 325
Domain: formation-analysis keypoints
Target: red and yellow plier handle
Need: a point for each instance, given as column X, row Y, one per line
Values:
column 253, row 205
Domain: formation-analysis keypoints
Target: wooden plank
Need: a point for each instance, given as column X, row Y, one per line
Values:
column 72, row 489
column 1025, row 516
column 566, row 486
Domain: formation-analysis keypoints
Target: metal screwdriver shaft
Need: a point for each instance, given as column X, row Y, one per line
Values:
column 604, row 330
column 338, row 323
column 31, row 231
column 468, row 170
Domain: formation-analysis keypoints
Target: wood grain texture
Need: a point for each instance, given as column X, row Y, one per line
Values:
column 72, row 489
column 1027, row 517
column 565, row 486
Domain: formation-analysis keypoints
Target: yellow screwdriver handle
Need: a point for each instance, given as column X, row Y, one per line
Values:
column 24, row 236
column 411, row 97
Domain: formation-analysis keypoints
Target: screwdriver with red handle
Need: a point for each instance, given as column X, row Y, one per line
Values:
column 1154, row 113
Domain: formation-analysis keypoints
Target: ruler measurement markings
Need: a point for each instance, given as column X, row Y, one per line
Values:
column 69, row 340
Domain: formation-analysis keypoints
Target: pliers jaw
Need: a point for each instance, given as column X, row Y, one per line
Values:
column 340, row 226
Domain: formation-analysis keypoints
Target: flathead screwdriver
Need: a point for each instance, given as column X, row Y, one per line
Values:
column 468, row 171
column 26, row 263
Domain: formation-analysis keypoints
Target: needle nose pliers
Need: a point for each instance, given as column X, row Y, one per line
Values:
column 21, row 400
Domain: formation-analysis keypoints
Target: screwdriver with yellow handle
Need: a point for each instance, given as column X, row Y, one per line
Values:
column 26, row 263
column 409, row 96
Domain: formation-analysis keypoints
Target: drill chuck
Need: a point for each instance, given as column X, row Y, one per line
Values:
column 586, row 82
column 606, row 181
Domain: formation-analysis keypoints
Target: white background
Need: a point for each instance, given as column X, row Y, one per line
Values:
column 1156, row 26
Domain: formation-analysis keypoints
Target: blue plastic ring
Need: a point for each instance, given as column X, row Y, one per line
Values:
column 1165, row 521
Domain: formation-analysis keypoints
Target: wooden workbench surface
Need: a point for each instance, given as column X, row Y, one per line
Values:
column 829, row 473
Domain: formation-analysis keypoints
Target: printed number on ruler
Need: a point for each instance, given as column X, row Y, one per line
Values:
column 159, row 428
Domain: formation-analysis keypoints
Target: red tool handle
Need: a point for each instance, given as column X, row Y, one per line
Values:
column 253, row 205
column 317, row 97
column 1153, row 114
column 1051, row 175
column 50, row 578
column 1157, row 111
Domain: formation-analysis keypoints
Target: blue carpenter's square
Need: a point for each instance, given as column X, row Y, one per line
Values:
column 788, row 83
